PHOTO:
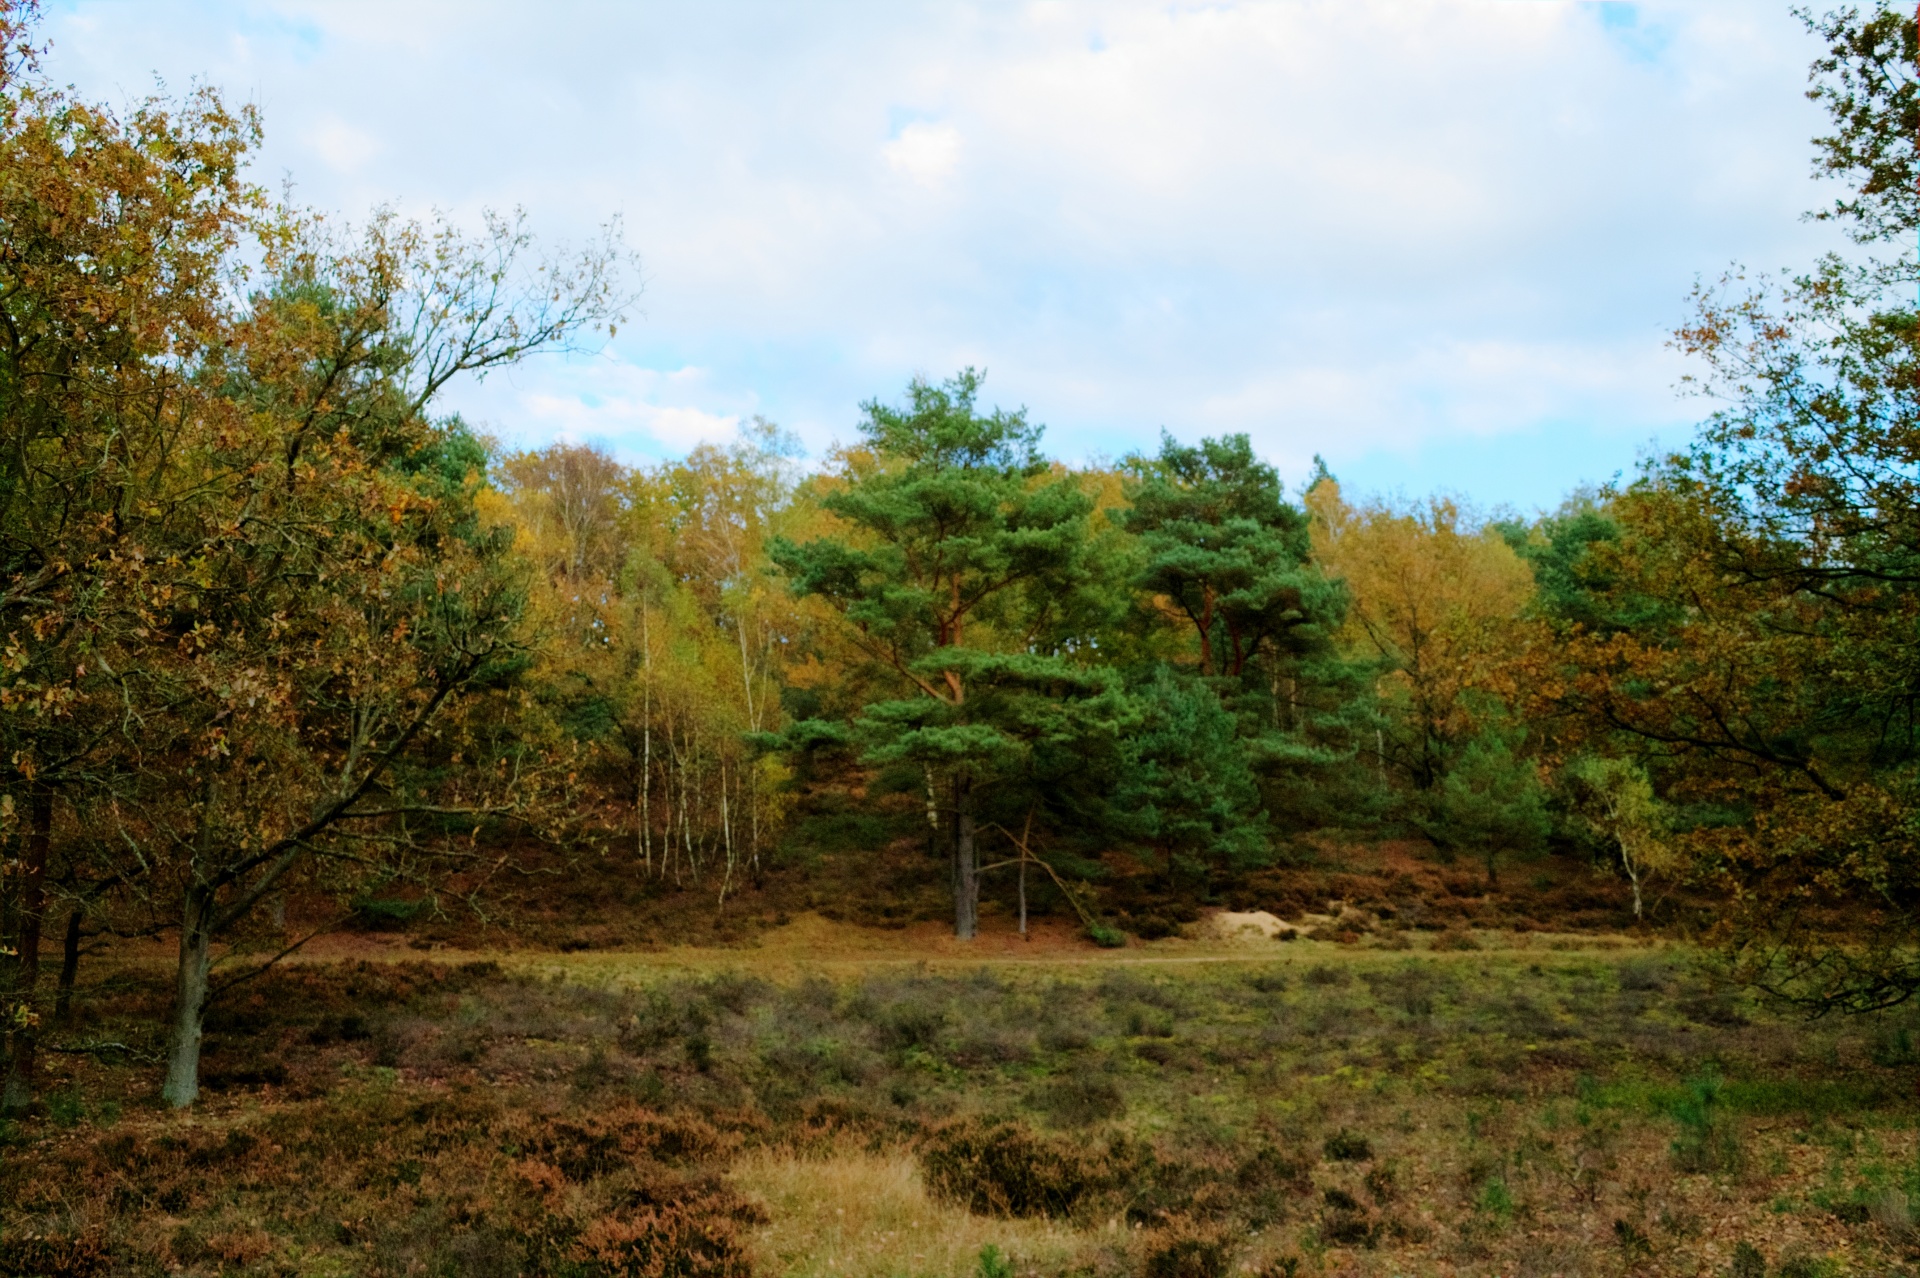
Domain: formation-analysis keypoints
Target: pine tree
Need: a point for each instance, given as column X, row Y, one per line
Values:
column 960, row 554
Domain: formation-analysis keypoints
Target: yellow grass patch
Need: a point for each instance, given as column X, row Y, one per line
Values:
column 854, row 1214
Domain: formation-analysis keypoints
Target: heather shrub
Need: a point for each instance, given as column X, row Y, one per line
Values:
column 1344, row 1222
column 1003, row 1169
column 1184, row 1248
column 1348, row 1147
column 1080, row 1100
column 53, row 1255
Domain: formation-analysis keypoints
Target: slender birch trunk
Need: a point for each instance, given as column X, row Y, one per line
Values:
column 646, row 741
column 1023, row 896
column 726, row 832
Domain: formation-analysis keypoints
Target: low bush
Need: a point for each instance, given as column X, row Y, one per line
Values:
column 1344, row 1222
column 374, row 914
column 1708, row 1140
column 1080, row 1101
column 1643, row 975
column 1185, row 1248
column 1348, row 1147
column 699, row 1238
column 53, row 1255
column 1004, row 1169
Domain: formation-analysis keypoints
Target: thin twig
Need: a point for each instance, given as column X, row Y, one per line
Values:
column 218, row 990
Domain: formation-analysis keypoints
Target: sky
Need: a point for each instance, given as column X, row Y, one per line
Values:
column 1441, row 244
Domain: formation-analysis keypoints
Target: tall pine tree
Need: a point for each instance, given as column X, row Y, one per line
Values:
column 961, row 555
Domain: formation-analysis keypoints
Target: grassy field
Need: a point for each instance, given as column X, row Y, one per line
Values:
column 831, row 1104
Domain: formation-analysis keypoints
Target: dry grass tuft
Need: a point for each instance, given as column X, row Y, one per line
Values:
column 856, row 1214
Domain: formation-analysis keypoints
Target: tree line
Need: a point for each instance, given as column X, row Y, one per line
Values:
column 272, row 620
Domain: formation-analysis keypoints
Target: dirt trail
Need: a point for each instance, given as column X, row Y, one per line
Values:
column 811, row 943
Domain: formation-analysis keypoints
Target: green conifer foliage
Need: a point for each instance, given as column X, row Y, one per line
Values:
column 1185, row 793
column 962, row 554
column 1226, row 549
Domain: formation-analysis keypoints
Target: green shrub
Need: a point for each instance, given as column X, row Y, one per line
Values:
column 1708, row 1141
column 1642, row 975
column 67, row 1109
column 1892, row 1048
column 994, row 1263
column 1633, row 1241
column 1080, row 1101
column 1107, row 938
column 1808, row 1266
column 1348, row 1147
column 372, row 914
column 1152, row 927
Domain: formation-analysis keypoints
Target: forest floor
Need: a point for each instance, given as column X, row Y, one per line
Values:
column 839, row 1100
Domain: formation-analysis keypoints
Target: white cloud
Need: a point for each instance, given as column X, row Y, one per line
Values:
column 1370, row 228
column 927, row 153
column 344, row 148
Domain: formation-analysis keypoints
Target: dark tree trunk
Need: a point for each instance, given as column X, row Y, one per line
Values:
column 18, row 1092
column 69, row 967
column 966, row 865
column 189, row 999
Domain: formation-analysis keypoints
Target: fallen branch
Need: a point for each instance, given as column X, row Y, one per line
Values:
column 1026, row 854
column 100, row 1049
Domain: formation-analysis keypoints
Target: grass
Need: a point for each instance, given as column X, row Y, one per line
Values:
column 1177, row 1109
column 857, row 1214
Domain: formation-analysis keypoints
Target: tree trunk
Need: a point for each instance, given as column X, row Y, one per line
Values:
column 1633, row 877
column 1023, row 896
column 646, row 745
column 69, row 967
column 966, row 865
column 18, row 1092
column 189, row 1000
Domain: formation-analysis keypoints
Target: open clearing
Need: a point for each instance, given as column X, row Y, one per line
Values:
column 820, row 1103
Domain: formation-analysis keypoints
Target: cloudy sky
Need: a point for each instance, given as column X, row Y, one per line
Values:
column 1441, row 244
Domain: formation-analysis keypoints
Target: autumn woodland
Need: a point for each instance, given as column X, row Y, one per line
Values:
column 420, row 855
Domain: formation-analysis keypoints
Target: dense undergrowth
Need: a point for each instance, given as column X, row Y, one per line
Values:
column 1323, row 1109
